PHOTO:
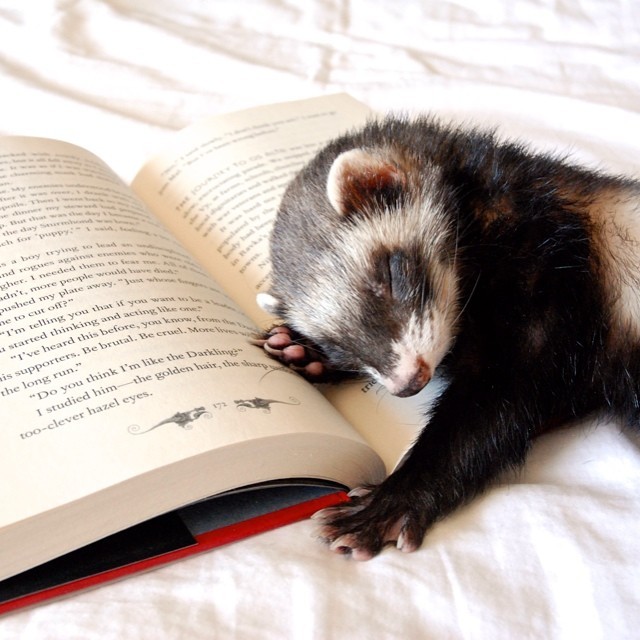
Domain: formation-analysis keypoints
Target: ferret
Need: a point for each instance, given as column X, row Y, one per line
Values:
column 410, row 247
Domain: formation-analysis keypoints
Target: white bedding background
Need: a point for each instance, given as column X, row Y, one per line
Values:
column 552, row 553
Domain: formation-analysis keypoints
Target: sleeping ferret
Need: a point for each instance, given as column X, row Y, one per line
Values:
column 409, row 247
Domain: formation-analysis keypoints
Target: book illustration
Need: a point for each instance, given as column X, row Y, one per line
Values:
column 184, row 419
column 262, row 403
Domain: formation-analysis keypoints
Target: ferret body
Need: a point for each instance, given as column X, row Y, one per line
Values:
column 409, row 246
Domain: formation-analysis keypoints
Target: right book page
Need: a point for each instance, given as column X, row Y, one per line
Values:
column 218, row 187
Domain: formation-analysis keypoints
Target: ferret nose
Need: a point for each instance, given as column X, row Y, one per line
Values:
column 418, row 380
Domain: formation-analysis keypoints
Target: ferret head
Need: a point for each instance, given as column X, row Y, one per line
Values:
column 363, row 258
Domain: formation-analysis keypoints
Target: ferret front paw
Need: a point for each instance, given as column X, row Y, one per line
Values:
column 296, row 352
column 371, row 520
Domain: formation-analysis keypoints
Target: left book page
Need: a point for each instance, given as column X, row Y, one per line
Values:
column 121, row 358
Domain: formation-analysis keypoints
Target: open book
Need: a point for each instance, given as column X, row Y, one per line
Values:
column 128, row 385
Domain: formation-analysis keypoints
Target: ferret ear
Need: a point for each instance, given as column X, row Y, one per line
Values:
column 359, row 179
column 269, row 303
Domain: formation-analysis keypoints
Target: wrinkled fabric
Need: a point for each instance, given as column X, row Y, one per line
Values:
column 552, row 551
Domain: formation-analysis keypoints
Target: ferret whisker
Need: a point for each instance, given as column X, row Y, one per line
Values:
column 468, row 300
column 423, row 295
column 382, row 393
column 307, row 345
column 449, row 291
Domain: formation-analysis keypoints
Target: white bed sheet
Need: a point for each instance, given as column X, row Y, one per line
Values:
column 553, row 551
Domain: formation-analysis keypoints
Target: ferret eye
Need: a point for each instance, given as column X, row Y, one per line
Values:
column 393, row 275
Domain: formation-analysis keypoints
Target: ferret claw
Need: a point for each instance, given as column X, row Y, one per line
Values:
column 343, row 544
column 405, row 545
column 348, row 545
column 359, row 492
column 320, row 515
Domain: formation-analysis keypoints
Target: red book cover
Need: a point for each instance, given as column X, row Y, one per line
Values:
column 167, row 538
